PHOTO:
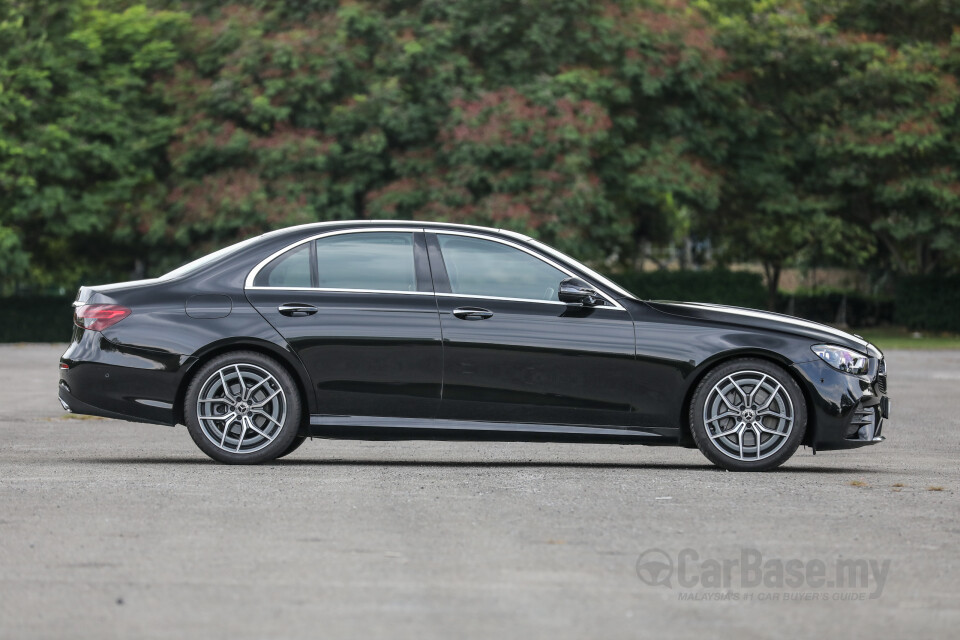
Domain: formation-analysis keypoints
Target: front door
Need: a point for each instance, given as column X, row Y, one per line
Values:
column 513, row 352
column 358, row 308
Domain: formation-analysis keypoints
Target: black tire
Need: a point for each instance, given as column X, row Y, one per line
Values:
column 269, row 437
column 299, row 440
column 754, row 381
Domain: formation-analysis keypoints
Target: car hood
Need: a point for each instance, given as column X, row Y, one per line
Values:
column 765, row 320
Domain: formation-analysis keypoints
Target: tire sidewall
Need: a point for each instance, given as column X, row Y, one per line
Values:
column 297, row 442
column 288, row 432
column 790, row 386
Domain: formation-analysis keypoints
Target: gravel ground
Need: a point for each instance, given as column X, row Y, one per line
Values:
column 111, row 529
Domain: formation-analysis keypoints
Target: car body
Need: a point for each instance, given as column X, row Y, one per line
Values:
column 414, row 330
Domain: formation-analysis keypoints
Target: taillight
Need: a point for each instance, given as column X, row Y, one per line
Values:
column 98, row 317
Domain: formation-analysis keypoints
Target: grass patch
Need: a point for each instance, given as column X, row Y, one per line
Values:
column 934, row 488
column 899, row 338
column 858, row 483
column 898, row 484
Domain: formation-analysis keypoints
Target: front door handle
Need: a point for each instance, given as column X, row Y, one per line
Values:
column 296, row 309
column 472, row 313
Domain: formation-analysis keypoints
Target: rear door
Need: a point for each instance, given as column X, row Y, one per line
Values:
column 358, row 308
column 513, row 352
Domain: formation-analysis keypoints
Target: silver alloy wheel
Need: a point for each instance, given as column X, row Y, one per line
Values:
column 748, row 415
column 241, row 408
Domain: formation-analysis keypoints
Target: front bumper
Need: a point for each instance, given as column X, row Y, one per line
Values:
column 845, row 411
column 113, row 381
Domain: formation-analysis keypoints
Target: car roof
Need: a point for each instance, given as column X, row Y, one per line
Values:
column 286, row 234
column 303, row 231
column 419, row 224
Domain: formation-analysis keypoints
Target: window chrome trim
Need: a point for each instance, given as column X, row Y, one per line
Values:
column 248, row 283
column 479, row 297
column 613, row 304
column 332, row 290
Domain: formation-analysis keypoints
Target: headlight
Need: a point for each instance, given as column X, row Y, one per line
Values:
column 842, row 359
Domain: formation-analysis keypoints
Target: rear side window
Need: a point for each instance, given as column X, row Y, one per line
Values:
column 371, row 261
column 374, row 261
column 291, row 270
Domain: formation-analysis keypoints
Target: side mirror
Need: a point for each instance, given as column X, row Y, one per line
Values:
column 576, row 291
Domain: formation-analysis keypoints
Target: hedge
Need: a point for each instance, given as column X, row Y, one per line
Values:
column 36, row 319
column 929, row 302
column 737, row 288
column 922, row 302
column 745, row 289
column 47, row 318
column 861, row 311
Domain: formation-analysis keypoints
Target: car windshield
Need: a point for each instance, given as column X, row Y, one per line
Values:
column 199, row 263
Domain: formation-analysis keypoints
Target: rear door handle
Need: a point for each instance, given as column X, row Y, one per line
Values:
column 296, row 309
column 472, row 313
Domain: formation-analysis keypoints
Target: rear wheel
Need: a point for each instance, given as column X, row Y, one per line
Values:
column 243, row 408
column 748, row 415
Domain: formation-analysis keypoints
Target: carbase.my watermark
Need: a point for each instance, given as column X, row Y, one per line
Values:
column 752, row 576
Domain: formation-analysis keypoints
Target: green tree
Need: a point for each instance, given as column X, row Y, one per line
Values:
column 895, row 152
column 585, row 123
column 846, row 139
column 83, row 138
column 135, row 136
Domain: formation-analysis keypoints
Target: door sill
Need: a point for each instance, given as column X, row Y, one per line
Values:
column 386, row 428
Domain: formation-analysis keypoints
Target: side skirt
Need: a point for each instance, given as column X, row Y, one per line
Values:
column 381, row 428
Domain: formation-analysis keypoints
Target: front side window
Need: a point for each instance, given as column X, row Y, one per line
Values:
column 480, row 267
column 374, row 261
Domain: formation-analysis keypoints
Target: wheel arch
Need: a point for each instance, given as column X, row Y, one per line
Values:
column 711, row 363
column 287, row 360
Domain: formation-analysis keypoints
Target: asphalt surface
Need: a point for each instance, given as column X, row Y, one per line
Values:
column 111, row 529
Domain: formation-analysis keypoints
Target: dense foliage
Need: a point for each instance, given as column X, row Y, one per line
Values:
column 135, row 136
column 85, row 135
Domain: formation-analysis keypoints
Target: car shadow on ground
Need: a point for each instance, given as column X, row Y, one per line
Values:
column 495, row 464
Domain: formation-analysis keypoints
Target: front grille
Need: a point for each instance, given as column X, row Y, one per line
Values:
column 882, row 377
column 863, row 425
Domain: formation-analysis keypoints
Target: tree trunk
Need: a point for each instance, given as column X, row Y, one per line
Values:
column 841, row 319
column 892, row 248
column 772, row 272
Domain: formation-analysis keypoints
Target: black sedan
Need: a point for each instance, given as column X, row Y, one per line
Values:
column 408, row 330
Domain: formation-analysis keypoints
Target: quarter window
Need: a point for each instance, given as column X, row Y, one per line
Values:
column 291, row 270
column 480, row 267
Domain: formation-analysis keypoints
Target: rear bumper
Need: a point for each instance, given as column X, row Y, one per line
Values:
column 112, row 381
column 845, row 411
column 73, row 405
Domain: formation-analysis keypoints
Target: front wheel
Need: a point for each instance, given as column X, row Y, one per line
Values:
column 299, row 440
column 748, row 415
column 243, row 408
